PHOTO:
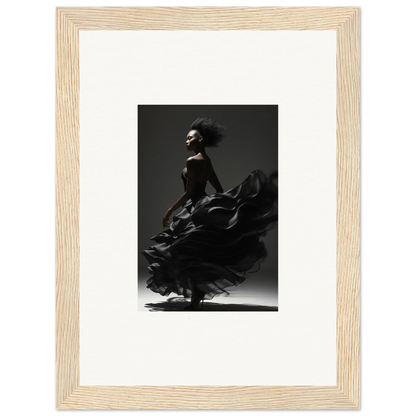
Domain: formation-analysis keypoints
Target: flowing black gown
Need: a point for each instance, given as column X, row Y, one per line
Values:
column 214, row 239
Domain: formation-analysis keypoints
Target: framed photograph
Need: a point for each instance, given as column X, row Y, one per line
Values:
column 208, row 208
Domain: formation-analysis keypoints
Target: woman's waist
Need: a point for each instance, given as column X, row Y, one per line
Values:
column 199, row 191
column 198, row 188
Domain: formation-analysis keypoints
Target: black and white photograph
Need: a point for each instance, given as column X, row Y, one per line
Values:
column 208, row 208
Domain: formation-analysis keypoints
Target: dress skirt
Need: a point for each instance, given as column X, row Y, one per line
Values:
column 215, row 240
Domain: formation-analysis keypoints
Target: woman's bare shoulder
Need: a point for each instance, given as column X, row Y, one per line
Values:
column 195, row 160
column 192, row 162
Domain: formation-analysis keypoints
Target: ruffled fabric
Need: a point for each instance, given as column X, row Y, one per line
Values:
column 214, row 239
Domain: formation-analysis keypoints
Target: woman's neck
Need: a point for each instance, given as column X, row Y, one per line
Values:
column 202, row 151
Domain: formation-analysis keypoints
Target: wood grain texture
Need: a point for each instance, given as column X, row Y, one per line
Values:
column 67, row 208
column 207, row 18
column 207, row 397
column 69, row 394
column 348, row 207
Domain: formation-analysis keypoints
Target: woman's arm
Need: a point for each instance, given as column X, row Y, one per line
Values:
column 213, row 180
column 190, row 186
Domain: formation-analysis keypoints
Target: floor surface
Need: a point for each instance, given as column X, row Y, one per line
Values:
column 259, row 292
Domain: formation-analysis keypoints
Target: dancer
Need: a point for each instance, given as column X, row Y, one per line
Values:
column 215, row 239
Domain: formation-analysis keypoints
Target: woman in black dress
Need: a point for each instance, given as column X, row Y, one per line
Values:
column 214, row 240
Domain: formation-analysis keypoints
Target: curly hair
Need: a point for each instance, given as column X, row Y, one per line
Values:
column 211, row 131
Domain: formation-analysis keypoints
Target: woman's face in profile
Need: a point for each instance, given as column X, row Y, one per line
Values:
column 192, row 140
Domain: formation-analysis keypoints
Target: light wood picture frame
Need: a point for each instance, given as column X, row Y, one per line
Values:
column 69, row 393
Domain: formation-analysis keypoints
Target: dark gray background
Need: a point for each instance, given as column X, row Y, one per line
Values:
column 251, row 142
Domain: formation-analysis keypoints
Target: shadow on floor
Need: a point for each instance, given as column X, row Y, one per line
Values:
column 178, row 304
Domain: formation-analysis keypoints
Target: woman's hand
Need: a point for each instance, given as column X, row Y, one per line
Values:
column 165, row 221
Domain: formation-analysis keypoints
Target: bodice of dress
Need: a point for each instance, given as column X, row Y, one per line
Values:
column 199, row 189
